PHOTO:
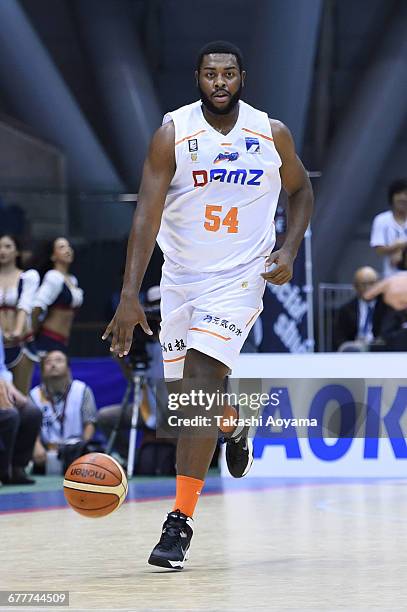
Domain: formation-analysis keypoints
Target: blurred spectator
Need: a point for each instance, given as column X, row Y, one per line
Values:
column 389, row 229
column 17, row 291
column 57, row 298
column 393, row 292
column 361, row 320
column 68, row 409
column 402, row 265
column 19, row 427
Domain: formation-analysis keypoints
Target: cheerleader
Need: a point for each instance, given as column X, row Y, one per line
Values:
column 17, row 291
column 57, row 299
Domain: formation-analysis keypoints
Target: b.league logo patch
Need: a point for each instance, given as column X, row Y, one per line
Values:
column 226, row 157
column 193, row 145
column 252, row 145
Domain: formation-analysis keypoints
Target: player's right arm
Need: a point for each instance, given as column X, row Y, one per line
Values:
column 158, row 171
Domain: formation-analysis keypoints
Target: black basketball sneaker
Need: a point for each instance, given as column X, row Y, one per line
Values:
column 239, row 453
column 172, row 549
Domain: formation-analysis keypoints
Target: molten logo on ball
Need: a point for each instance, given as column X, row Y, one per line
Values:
column 88, row 474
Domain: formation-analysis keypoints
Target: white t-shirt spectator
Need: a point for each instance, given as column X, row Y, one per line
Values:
column 385, row 231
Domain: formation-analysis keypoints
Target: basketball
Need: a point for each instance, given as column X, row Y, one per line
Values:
column 95, row 485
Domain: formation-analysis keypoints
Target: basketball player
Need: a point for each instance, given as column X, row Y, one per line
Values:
column 209, row 190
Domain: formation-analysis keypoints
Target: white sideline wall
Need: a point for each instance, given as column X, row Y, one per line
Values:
column 302, row 457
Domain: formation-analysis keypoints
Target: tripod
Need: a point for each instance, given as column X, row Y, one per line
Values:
column 134, row 389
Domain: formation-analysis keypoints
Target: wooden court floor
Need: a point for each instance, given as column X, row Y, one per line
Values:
column 301, row 546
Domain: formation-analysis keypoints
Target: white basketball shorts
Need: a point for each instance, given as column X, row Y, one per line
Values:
column 211, row 312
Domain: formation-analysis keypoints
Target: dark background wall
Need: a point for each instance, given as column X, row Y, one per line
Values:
column 93, row 79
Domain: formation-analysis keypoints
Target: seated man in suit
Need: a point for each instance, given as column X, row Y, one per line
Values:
column 360, row 321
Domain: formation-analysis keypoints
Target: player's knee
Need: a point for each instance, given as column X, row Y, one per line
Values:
column 199, row 365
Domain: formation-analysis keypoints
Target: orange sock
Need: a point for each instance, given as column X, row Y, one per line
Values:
column 188, row 492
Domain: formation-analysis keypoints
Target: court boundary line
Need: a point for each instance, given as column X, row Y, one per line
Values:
column 213, row 493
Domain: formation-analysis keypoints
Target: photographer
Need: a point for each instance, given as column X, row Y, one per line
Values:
column 68, row 411
column 145, row 357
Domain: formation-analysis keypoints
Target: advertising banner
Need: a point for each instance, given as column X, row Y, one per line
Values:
column 329, row 427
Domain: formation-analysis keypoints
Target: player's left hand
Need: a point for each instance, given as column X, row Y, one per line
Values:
column 282, row 270
column 129, row 313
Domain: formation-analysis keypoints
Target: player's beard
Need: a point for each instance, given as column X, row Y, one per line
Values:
column 207, row 102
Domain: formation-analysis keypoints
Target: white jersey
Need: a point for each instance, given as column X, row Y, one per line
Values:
column 220, row 207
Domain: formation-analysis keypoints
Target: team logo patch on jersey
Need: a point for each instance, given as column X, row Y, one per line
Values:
column 193, row 145
column 226, row 157
column 252, row 145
